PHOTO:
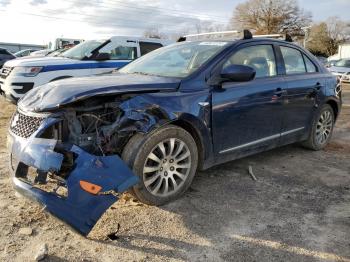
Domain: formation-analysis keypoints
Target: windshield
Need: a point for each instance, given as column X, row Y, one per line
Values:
column 58, row 52
column 19, row 53
column 178, row 60
column 343, row 63
column 82, row 50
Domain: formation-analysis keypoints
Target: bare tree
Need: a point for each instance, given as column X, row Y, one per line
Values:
column 208, row 26
column 337, row 28
column 318, row 37
column 270, row 16
column 325, row 37
column 337, row 31
column 154, row 33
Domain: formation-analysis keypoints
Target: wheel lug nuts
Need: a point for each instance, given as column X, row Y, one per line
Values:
column 165, row 173
column 172, row 168
column 164, row 161
column 171, row 160
column 161, row 169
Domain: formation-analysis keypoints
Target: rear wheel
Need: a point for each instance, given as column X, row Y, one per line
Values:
column 165, row 160
column 322, row 129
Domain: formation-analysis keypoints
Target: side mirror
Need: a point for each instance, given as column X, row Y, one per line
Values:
column 102, row 57
column 238, row 73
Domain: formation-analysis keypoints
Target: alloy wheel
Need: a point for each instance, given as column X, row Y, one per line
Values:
column 167, row 167
column 324, row 127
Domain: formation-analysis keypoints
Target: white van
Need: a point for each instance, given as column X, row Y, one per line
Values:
column 92, row 57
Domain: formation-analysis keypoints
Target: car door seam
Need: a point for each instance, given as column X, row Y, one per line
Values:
column 262, row 140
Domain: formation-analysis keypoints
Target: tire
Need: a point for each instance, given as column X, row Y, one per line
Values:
column 324, row 119
column 164, row 175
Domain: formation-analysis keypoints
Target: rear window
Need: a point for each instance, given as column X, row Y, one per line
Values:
column 146, row 47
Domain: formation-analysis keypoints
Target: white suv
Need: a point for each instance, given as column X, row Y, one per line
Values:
column 92, row 57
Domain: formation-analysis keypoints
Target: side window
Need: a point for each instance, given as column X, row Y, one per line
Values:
column 293, row 61
column 259, row 57
column 3, row 52
column 147, row 47
column 120, row 51
column 310, row 67
column 123, row 53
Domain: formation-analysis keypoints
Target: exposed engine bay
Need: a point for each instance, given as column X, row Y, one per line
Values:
column 94, row 128
column 103, row 126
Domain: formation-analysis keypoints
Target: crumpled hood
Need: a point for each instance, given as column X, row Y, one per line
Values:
column 41, row 61
column 53, row 95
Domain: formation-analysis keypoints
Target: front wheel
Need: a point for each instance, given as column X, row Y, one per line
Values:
column 322, row 129
column 165, row 161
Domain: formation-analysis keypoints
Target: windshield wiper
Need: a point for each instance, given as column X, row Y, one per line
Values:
column 95, row 51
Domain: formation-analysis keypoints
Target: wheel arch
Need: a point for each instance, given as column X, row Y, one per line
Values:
column 199, row 135
column 334, row 106
column 150, row 115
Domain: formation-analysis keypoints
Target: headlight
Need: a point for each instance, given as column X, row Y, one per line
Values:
column 27, row 70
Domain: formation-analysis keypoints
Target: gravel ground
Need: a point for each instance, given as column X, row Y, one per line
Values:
column 297, row 210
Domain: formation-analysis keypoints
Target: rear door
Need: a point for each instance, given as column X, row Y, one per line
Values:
column 303, row 82
column 248, row 116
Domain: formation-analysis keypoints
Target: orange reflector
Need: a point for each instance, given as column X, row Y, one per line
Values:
column 89, row 187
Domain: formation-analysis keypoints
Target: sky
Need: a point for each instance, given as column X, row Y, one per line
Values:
column 41, row 21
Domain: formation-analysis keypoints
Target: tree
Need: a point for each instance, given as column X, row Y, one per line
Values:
column 270, row 16
column 325, row 37
column 318, row 36
column 208, row 26
column 153, row 33
column 337, row 31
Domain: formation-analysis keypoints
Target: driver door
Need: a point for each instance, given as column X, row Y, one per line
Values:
column 247, row 116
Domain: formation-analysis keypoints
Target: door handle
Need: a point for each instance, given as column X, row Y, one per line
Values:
column 318, row 86
column 280, row 91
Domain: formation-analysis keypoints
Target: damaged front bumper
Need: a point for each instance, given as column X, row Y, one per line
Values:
column 92, row 184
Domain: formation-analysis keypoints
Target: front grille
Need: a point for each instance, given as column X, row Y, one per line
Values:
column 5, row 71
column 23, row 125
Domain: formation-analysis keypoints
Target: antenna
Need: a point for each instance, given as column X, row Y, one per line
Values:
column 288, row 38
column 247, row 34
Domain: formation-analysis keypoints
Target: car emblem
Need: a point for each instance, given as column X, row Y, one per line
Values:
column 15, row 120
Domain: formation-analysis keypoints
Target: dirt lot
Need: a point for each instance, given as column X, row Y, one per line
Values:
column 297, row 210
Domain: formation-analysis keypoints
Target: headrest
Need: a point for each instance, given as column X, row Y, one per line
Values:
column 258, row 60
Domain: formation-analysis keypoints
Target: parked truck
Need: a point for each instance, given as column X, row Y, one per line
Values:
column 91, row 57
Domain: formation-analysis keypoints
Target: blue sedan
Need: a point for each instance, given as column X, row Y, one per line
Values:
column 149, row 127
